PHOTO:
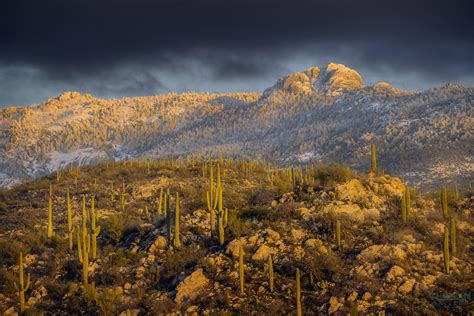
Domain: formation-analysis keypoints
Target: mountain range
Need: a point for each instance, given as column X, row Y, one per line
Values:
column 323, row 114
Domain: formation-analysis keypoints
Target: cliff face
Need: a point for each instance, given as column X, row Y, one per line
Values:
column 324, row 113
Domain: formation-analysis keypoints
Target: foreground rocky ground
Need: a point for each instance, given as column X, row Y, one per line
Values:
column 382, row 266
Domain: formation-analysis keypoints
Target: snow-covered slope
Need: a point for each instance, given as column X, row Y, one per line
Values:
column 323, row 113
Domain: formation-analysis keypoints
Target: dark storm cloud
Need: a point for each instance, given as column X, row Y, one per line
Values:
column 121, row 47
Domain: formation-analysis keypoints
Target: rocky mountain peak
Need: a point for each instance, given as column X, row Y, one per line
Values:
column 331, row 80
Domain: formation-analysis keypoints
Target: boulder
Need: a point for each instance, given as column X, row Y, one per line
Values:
column 160, row 243
column 394, row 272
column 353, row 212
column 233, row 247
column 191, row 287
column 407, row 286
column 263, row 252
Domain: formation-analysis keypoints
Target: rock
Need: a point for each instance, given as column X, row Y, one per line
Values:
column 10, row 312
column 233, row 247
column 353, row 212
column 160, row 243
column 354, row 192
column 394, row 272
column 191, row 287
column 367, row 296
column 127, row 286
column 272, row 234
column 407, row 286
column 298, row 253
column 304, row 212
column 263, row 252
column 192, row 310
column 274, row 203
column 297, row 234
column 313, row 243
column 382, row 252
column 334, row 305
column 352, row 297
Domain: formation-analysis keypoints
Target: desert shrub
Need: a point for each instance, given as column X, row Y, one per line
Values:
column 72, row 270
column 109, row 275
column 262, row 197
column 332, row 174
column 7, row 279
column 56, row 290
column 113, row 227
column 237, row 225
column 180, row 260
column 285, row 211
column 10, row 251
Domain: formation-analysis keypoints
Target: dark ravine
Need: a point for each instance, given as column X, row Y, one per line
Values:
column 326, row 114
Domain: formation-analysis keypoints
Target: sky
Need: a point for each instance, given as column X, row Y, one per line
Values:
column 116, row 48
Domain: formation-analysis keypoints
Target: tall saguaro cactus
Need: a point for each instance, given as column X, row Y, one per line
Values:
column 298, row 293
column 176, row 242
column 21, row 288
column 70, row 226
column 50, row 217
column 168, row 216
column 270, row 272
column 95, row 230
column 338, row 234
column 408, row 200
column 374, row 158
column 444, row 202
column 446, row 250
column 241, row 269
column 453, row 236
column 404, row 209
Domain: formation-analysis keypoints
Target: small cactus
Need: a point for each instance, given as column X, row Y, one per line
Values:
column 50, row 217
column 374, row 158
column 298, row 293
column 241, row 269
column 444, row 202
column 270, row 272
column 453, row 236
column 159, row 206
column 177, row 242
column 408, row 200
column 446, row 250
column 404, row 209
column 338, row 234
column 21, row 288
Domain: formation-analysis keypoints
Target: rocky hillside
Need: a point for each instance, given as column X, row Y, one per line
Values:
column 343, row 234
column 324, row 113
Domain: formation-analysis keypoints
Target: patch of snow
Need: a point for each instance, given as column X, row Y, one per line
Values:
column 84, row 156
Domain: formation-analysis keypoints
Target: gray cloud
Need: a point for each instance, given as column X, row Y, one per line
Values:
column 116, row 48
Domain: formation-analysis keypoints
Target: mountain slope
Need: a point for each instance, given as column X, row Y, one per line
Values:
column 323, row 113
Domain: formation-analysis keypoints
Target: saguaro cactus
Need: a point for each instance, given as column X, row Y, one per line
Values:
column 404, row 209
column 95, row 230
column 298, row 293
column 241, row 269
column 444, row 202
column 453, row 236
column 177, row 242
column 70, row 226
column 338, row 234
column 50, row 217
column 270, row 272
column 374, row 158
column 85, row 246
column 159, row 206
column 21, row 288
column 168, row 217
column 408, row 200
column 446, row 250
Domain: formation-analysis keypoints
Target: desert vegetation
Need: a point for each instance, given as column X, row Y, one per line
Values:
column 215, row 235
